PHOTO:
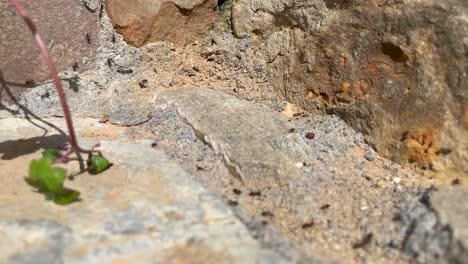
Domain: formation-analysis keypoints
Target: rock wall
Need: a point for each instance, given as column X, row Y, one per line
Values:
column 69, row 29
column 393, row 69
column 177, row 21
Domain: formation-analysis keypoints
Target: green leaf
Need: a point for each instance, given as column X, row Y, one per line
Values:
column 50, row 153
column 53, row 182
column 98, row 164
column 37, row 170
column 44, row 177
column 49, row 181
column 65, row 196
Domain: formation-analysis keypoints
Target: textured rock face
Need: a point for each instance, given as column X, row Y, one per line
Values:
column 395, row 70
column 69, row 29
column 222, row 124
column 437, row 231
column 177, row 21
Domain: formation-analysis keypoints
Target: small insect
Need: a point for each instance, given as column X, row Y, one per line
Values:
column 88, row 38
column 308, row 224
column 125, row 71
column 143, row 83
column 200, row 168
column 443, row 151
column 253, row 194
column 325, row 206
column 110, row 62
column 267, row 214
column 75, row 66
column 46, row 95
column 364, row 241
column 30, row 83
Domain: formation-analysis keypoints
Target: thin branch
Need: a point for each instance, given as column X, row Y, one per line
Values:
column 53, row 73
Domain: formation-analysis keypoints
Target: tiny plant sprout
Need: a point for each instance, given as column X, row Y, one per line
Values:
column 42, row 175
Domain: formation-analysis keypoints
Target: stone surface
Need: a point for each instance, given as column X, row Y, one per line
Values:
column 178, row 21
column 65, row 33
column 394, row 70
column 451, row 207
column 145, row 207
column 242, row 134
column 347, row 203
column 436, row 226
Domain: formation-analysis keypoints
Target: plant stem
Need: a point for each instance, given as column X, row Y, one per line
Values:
column 53, row 72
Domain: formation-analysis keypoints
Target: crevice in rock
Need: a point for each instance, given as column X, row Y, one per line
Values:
column 221, row 3
column 394, row 52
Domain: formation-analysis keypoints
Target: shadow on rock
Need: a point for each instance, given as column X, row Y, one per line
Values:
column 15, row 148
column 12, row 149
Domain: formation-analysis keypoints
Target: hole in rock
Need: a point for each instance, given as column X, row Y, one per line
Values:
column 394, row 52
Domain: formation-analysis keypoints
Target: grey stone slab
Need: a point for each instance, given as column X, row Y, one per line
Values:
column 146, row 208
column 240, row 131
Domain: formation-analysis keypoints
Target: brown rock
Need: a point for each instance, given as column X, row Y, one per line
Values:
column 177, row 21
column 395, row 70
column 66, row 27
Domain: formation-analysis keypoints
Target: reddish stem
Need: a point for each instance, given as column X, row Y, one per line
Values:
column 53, row 72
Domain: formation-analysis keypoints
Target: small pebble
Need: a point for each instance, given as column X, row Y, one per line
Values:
column 104, row 118
column 360, row 166
column 310, row 135
column 396, row 180
column 369, row 156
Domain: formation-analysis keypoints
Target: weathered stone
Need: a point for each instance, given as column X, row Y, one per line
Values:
column 451, row 207
column 145, row 207
column 394, row 70
column 436, row 230
column 70, row 32
column 241, row 132
column 177, row 21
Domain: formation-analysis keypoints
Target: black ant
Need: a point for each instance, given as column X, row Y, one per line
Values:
column 88, row 38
